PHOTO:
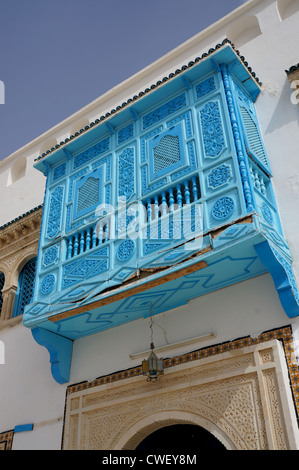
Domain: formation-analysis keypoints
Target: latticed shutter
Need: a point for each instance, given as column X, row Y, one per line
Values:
column 166, row 153
column 252, row 135
column 25, row 287
column 88, row 194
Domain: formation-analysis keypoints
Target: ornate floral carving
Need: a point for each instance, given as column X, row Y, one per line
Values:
column 55, row 208
column 212, row 129
column 92, row 152
column 125, row 133
column 115, row 416
column 126, row 173
column 125, row 250
column 223, row 208
column 219, row 176
column 168, row 108
column 205, row 87
column 266, row 213
column 59, row 171
column 50, row 255
column 47, row 284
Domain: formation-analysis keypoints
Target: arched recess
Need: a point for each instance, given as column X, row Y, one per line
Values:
column 25, row 288
column 143, row 428
column 287, row 8
column 182, row 437
column 244, row 30
column 17, row 170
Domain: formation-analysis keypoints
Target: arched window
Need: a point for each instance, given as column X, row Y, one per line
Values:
column 25, row 287
column 2, row 280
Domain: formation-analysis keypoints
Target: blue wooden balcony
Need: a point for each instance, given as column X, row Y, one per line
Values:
column 165, row 199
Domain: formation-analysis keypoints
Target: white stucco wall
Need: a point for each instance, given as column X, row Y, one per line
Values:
column 28, row 393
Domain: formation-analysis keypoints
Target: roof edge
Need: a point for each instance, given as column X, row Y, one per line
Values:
column 150, row 89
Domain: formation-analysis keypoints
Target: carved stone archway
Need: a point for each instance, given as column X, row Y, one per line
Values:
column 242, row 397
column 148, row 425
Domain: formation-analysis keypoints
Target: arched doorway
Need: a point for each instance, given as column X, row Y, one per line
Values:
column 180, row 438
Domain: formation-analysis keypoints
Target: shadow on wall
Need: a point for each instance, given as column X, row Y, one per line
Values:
column 285, row 111
column 244, row 30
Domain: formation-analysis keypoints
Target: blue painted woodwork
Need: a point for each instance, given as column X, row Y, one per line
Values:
column 164, row 199
column 60, row 350
column 23, row 427
column 24, row 294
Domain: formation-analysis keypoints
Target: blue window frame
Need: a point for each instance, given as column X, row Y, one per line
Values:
column 88, row 193
column 25, row 289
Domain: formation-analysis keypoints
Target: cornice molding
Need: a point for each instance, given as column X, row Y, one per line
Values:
column 12, row 235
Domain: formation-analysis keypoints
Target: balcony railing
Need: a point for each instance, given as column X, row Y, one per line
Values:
column 154, row 210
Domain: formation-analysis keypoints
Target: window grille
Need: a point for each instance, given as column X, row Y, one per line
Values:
column 25, row 287
column 88, row 194
column 2, row 280
column 166, row 153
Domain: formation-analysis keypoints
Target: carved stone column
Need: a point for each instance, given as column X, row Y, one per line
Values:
column 8, row 295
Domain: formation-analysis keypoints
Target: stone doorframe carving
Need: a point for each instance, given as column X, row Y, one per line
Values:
column 242, row 397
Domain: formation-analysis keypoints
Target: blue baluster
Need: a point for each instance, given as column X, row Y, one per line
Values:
column 164, row 203
column 149, row 215
column 194, row 188
column 156, row 211
column 171, row 199
column 149, row 210
column 88, row 239
column 106, row 231
column 70, row 248
column 76, row 245
column 82, row 242
column 187, row 192
column 179, row 195
column 94, row 237
column 100, row 232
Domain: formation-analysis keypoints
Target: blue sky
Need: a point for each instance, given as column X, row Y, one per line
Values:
column 57, row 56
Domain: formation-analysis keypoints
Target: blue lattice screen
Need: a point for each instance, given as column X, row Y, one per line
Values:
column 88, row 194
column 166, row 153
column 25, row 287
column 2, row 280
